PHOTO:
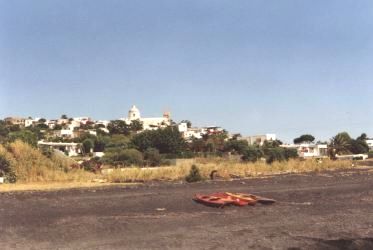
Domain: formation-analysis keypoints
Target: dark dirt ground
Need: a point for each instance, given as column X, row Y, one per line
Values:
column 330, row 210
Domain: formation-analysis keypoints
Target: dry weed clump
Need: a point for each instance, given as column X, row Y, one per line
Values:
column 30, row 165
column 225, row 170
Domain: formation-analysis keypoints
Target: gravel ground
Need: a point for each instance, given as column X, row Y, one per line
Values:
column 329, row 210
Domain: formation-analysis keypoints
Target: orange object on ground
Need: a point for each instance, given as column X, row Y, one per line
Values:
column 238, row 201
column 212, row 201
column 259, row 199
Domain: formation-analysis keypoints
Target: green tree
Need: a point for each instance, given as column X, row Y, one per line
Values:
column 4, row 131
column 136, row 125
column 100, row 143
column 152, row 157
column 197, row 145
column 92, row 165
column 42, row 126
column 167, row 140
column 24, row 135
column 124, row 157
column 87, row 145
column 339, row 144
column 275, row 154
column 267, row 145
column 6, row 170
column 14, row 128
column 362, row 137
column 304, row 138
column 215, row 142
column 118, row 127
column 290, row 153
column 236, row 146
column 252, row 154
column 117, row 141
column 358, row 146
column 64, row 116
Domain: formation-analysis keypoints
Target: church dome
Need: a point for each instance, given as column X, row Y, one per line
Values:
column 134, row 113
column 134, row 109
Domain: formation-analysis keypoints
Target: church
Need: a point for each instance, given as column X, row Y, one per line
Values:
column 151, row 123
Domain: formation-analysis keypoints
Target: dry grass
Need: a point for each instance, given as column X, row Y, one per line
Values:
column 31, row 166
column 225, row 169
column 41, row 172
column 48, row 186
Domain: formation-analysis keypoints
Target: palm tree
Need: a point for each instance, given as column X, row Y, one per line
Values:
column 339, row 144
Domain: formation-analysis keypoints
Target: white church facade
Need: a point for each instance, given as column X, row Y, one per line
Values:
column 151, row 123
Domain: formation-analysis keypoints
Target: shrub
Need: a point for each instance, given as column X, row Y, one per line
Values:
column 125, row 157
column 46, row 151
column 251, row 154
column 25, row 136
column 152, row 157
column 275, row 154
column 87, row 145
column 92, row 165
column 6, row 170
column 167, row 140
column 194, row 174
column 290, row 153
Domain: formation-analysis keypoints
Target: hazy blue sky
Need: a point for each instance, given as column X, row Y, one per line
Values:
column 286, row 67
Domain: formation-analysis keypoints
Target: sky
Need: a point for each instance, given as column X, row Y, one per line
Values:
column 288, row 67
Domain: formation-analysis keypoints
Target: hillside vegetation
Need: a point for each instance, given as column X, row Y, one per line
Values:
column 20, row 162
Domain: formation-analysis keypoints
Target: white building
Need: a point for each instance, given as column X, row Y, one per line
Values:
column 259, row 139
column 82, row 120
column 62, row 121
column 29, row 122
column 103, row 123
column 70, row 149
column 309, row 150
column 189, row 133
column 52, row 124
column 66, row 133
column 370, row 143
column 147, row 123
column 183, row 127
column 74, row 124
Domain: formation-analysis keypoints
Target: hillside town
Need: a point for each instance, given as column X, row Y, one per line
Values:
column 63, row 133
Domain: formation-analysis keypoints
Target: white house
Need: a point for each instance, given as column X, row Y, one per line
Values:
column 259, row 139
column 147, row 123
column 193, row 133
column 370, row 143
column 189, row 133
column 103, row 123
column 69, row 148
column 183, row 127
column 82, row 120
column 309, row 150
column 52, row 124
column 62, row 121
column 67, row 133
column 74, row 124
column 29, row 122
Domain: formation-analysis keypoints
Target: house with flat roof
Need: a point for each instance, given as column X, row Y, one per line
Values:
column 259, row 139
column 68, row 148
column 309, row 150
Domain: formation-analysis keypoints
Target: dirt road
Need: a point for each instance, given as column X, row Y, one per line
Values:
column 331, row 210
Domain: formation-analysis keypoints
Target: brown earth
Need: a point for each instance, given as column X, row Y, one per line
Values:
column 329, row 210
